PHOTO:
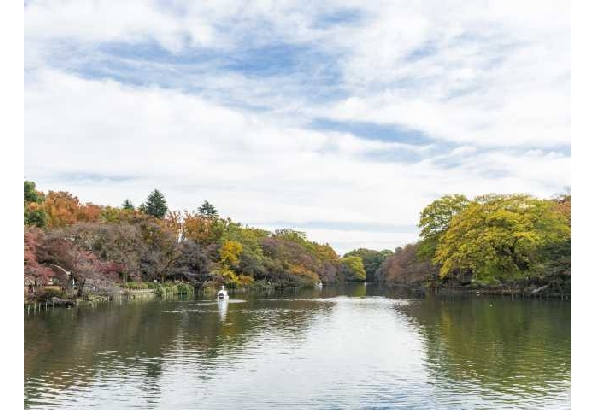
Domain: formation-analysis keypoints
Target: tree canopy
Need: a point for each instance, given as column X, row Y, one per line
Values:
column 371, row 260
column 127, row 205
column 496, row 237
column 435, row 219
column 208, row 210
column 491, row 239
column 31, row 194
column 155, row 205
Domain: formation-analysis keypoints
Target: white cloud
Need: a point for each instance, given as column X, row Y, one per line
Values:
column 104, row 21
column 494, row 75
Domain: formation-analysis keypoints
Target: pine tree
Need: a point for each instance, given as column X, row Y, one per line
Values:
column 208, row 210
column 127, row 205
column 155, row 205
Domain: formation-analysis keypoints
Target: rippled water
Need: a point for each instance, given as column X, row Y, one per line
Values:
column 351, row 347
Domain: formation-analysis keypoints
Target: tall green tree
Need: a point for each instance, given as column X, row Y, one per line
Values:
column 34, row 214
column 435, row 219
column 127, row 205
column 31, row 194
column 208, row 210
column 155, row 205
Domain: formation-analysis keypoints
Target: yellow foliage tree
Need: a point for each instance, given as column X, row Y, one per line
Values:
column 229, row 253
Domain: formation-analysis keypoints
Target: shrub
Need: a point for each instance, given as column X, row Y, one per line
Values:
column 50, row 292
column 136, row 285
column 185, row 289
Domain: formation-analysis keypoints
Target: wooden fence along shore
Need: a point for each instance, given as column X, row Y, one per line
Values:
column 538, row 293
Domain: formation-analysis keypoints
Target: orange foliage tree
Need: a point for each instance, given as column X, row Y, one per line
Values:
column 62, row 208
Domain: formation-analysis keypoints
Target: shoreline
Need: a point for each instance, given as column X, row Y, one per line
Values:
column 170, row 290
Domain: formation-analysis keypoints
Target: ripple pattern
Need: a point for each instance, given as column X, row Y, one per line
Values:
column 296, row 352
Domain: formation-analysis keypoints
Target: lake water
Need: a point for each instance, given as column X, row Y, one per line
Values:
column 334, row 348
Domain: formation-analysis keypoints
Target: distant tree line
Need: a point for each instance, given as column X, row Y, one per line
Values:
column 150, row 242
column 490, row 240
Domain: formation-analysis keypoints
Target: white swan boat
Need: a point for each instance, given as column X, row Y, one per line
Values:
column 222, row 294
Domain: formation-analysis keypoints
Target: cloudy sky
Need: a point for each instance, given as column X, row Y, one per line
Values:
column 342, row 119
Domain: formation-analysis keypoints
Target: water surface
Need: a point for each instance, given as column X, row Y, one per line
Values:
column 339, row 347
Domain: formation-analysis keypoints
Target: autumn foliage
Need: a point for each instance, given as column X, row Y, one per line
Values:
column 99, row 245
column 494, row 240
column 491, row 239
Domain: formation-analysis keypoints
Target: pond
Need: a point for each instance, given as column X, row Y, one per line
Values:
column 338, row 347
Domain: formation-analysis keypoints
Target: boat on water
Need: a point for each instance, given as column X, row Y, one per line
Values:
column 320, row 284
column 222, row 294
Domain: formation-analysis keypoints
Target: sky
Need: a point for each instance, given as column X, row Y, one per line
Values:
column 342, row 119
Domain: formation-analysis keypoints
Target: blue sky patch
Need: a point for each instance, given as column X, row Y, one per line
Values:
column 373, row 131
column 338, row 17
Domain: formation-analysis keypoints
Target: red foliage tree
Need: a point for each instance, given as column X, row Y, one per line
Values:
column 35, row 273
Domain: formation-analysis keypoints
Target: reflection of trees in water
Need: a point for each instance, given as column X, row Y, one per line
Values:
column 515, row 346
column 73, row 348
column 351, row 289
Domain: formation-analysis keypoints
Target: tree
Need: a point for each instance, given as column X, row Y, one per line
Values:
column 435, row 219
column 208, row 210
column 119, row 243
column 127, row 205
column 404, row 266
column 155, row 205
column 251, row 257
column 34, row 214
column 229, row 253
column 89, row 213
column 202, row 229
column 352, row 268
column 31, row 194
column 371, row 259
column 111, row 214
column 554, row 261
column 62, row 208
column 194, row 263
column 34, row 271
column 291, row 235
column 229, row 257
column 87, row 270
column 295, row 263
column 496, row 238
column 161, row 251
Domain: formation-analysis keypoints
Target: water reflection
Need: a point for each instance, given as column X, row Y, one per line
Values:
column 222, row 306
column 335, row 347
column 499, row 349
column 68, row 351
